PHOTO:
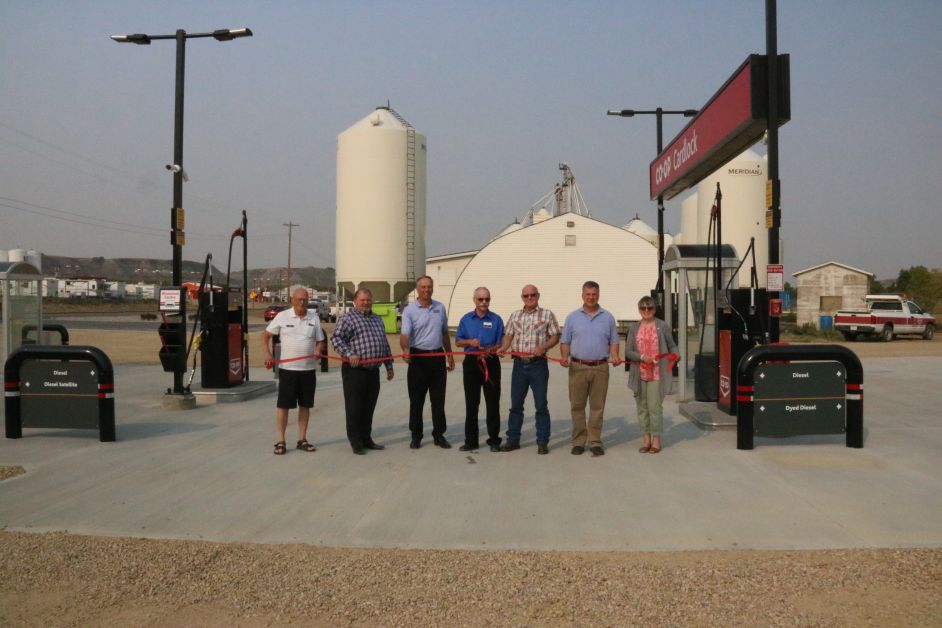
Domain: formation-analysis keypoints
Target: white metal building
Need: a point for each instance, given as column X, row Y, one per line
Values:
column 50, row 287
column 557, row 255
column 557, row 247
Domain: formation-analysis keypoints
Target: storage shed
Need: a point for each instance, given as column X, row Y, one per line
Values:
column 826, row 288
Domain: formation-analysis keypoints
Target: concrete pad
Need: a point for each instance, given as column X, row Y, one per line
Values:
column 706, row 415
column 237, row 394
column 171, row 402
column 210, row 474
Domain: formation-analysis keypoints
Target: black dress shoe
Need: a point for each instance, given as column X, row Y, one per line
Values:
column 376, row 446
column 359, row 451
column 542, row 449
column 467, row 447
column 597, row 451
column 508, row 446
column 577, row 450
column 416, row 443
column 441, row 442
column 495, row 447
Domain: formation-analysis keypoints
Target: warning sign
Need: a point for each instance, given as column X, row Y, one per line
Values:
column 775, row 277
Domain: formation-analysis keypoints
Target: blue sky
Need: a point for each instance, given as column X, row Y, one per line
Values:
column 504, row 91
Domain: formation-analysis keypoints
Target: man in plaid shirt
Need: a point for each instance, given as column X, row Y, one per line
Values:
column 358, row 337
column 531, row 331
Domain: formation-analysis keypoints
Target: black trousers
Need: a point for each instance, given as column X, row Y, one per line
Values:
column 427, row 376
column 360, row 392
column 474, row 383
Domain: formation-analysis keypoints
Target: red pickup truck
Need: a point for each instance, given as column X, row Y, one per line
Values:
column 886, row 316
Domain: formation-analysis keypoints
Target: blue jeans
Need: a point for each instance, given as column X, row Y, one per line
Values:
column 533, row 376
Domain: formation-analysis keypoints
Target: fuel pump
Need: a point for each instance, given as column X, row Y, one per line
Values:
column 224, row 330
column 741, row 321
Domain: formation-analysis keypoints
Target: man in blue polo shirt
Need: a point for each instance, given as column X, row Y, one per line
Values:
column 481, row 331
column 589, row 344
column 425, row 331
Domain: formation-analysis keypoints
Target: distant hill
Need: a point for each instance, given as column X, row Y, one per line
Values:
column 159, row 271
column 319, row 278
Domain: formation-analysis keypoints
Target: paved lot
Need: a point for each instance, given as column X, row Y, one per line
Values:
column 209, row 474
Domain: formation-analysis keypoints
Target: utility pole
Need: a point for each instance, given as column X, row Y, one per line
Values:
column 774, row 185
column 290, row 225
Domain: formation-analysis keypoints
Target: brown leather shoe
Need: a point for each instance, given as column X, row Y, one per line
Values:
column 577, row 450
column 597, row 451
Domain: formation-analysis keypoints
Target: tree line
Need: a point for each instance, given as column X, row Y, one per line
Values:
column 918, row 283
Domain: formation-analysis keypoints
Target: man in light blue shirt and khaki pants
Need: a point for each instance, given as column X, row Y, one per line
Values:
column 589, row 344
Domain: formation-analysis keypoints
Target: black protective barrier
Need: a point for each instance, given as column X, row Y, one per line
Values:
column 800, row 395
column 56, row 327
column 62, row 387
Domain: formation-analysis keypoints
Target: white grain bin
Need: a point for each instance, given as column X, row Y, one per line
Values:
column 514, row 226
column 541, row 215
column 35, row 258
column 688, row 220
column 381, row 180
column 742, row 182
column 642, row 229
column 16, row 255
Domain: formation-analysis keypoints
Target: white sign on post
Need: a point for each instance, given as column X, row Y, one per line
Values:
column 169, row 300
column 775, row 277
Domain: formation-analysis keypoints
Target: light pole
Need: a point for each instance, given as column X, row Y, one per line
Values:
column 177, row 222
column 659, row 113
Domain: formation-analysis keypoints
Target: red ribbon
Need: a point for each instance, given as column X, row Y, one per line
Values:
column 673, row 357
column 437, row 354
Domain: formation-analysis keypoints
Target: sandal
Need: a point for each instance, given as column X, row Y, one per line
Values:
column 645, row 449
column 654, row 450
column 303, row 445
column 280, row 449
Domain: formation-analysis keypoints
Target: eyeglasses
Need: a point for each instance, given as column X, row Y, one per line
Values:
column 530, row 295
column 646, row 307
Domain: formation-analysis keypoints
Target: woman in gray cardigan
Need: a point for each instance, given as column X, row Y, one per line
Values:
column 649, row 378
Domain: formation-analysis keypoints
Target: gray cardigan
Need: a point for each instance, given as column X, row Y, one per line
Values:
column 666, row 344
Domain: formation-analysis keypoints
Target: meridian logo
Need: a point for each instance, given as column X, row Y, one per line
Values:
column 751, row 172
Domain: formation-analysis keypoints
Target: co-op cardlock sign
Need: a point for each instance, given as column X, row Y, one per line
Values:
column 733, row 120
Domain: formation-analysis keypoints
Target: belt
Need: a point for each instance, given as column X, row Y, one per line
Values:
column 588, row 362
column 529, row 360
column 414, row 350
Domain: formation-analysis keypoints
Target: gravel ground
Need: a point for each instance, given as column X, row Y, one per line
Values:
column 58, row 579
column 10, row 471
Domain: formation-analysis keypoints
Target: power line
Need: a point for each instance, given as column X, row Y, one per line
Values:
column 315, row 253
column 125, row 175
column 118, row 226
column 79, row 222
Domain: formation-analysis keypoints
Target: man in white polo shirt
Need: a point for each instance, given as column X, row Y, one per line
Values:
column 301, row 335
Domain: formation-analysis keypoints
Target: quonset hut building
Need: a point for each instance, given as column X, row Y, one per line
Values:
column 557, row 247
